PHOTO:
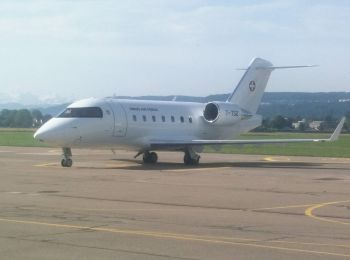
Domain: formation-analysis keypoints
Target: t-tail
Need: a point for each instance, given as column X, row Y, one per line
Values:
column 251, row 87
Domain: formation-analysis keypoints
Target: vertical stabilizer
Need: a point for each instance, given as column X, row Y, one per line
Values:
column 251, row 87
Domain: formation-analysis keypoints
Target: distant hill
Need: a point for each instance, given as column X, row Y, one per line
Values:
column 305, row 105
column 291, row 104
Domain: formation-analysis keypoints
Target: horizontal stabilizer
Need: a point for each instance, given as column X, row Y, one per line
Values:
column 287, row 67
column 281, row 67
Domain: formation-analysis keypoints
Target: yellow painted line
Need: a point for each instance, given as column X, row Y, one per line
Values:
column 119, row 165
column 336, row 160
column 55, row 151
column 175, row 236
column 309, row 212
column 107, row 166
column 133, row 209
column 308, row 243
column 47, row 165
column 196, row 169
column 285, row 207
column 277, row 159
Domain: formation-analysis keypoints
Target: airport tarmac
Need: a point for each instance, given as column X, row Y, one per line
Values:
column 110, row 206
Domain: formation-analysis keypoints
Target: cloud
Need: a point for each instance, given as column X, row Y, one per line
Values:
column 155, row 22
column 138, row 46
column 133, row 22
column 326, row 22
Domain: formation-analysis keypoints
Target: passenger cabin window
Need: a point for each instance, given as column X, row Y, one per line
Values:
column 153, row 118
column 182, row 119
column 82, row 112
column 134, row 118
column 172, row 119
column 163, row 118
column 190, row 119
column 144, row 118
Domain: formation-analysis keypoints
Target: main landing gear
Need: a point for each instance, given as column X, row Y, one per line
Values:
column 67, row 160
column 191, row 157
column 150, row 157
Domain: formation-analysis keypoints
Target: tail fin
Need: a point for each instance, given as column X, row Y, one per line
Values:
column 251, row 87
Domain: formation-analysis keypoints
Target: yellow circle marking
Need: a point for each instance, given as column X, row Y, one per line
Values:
column 309, row 212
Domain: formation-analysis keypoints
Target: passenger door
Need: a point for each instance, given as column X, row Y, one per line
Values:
column 120, row 120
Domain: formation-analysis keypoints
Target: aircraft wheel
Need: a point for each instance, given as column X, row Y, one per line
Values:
column 63, row 163
column 191, row 161
column 69, row 162
column 187, row 159
column 150, row 158
column 153, row 157
column 196, row 161
column 66, row 162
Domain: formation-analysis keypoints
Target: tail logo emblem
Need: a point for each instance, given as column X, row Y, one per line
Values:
column 252, row 85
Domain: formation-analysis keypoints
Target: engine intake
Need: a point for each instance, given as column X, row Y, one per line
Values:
column 222, row 113
column 211, row 112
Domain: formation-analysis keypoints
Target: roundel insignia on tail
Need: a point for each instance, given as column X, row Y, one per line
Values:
column 252, row 85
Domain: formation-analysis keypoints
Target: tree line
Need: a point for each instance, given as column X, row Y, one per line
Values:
column 34, row 118
column 22, row 118
column 283, row 123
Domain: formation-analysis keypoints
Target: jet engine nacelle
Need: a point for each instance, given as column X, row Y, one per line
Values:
column 222, row 113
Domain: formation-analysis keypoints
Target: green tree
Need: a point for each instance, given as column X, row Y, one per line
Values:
column 329, row 123
column 302, row 126
column 279, row 122
column 36, row 114
column 23, row 118
column 347, row 122
column 7, row 117
column 37, row 117
column 46, row 118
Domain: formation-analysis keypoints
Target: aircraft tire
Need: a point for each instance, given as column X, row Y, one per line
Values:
column 66, row 162
column 153, row 157
column 69, row 162
column 150, row 158
column 191, row 161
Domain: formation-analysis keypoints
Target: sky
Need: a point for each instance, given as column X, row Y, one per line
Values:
column 72, row 49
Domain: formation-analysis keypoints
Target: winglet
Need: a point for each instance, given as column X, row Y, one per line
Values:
column 337, row 131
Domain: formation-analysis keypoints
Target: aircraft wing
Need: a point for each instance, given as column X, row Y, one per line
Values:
column 180, row 143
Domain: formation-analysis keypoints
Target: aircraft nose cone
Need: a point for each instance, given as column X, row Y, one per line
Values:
column 40, row 135
column 46, row 133
column 53, row 132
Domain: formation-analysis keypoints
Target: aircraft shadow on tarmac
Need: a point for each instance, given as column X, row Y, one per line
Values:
column 129, row 164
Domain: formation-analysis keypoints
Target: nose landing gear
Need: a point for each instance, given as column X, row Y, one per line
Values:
column 191, row 157
column 67, row 160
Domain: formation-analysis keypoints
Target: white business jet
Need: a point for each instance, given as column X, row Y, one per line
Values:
column 148, row 126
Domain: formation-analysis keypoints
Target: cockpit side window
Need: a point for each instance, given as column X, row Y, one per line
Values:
column 83, row 112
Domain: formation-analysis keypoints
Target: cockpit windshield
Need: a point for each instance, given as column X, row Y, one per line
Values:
column 86, row 112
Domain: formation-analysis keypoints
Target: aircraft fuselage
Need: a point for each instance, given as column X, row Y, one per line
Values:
column 133, row 123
